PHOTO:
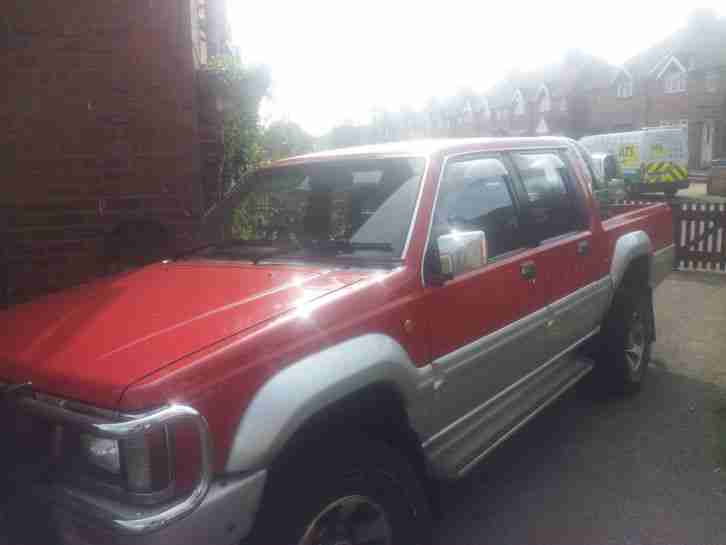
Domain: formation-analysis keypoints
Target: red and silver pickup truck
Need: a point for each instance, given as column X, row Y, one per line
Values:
column 362, row 323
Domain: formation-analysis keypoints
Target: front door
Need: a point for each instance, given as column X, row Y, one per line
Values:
column 707, row 143
column 487, row 324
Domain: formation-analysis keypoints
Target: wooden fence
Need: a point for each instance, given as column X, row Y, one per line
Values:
column 700, row 236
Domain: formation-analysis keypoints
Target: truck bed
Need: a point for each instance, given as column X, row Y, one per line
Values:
column 655, row 219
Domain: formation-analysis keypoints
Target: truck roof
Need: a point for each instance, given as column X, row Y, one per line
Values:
column 425, row 148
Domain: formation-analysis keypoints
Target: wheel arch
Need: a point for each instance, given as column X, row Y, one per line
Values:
column 632, row 256
column 369, row 380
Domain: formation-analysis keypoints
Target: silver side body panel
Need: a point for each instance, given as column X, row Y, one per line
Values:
column 575, row 316
column 662, row 265
column 628, row 247
column 491, row 384
column 302, row 390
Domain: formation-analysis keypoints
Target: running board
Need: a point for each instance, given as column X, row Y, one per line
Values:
column 462, row 448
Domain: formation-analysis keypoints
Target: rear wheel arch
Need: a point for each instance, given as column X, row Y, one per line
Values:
column 632, row 255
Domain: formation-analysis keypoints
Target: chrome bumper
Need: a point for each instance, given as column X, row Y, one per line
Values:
column 224, row 517
column 81, row 517
column 662, row 264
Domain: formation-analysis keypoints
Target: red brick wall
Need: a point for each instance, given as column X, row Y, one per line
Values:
column 100, row 123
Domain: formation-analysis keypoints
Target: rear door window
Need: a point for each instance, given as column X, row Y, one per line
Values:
column 552, row 208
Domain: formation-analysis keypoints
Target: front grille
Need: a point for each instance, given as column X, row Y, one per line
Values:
column 26, row 459
column 28, row 446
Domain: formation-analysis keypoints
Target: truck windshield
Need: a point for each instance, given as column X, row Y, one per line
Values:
column 355, row 209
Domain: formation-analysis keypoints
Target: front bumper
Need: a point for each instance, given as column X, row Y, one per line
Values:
column 225, row 517
column 215, row 512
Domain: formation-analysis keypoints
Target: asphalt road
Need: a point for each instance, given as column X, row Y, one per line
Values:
column 642, row 469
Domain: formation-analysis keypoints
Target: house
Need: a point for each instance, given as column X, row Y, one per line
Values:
column 680, row 81
column 552, row 100
column 107, row 114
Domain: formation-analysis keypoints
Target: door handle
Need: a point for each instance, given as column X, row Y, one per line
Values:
column 583, row 247
column 528, row 270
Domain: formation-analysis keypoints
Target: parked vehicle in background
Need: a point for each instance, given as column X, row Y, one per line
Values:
column 369, row 320
column 652, row 159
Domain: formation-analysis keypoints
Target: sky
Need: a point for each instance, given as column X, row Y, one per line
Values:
column 338, row 61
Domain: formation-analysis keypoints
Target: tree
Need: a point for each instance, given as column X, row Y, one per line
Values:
column 285, row 139
column 242, row 89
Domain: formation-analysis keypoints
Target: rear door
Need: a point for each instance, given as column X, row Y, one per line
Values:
column 555, row 215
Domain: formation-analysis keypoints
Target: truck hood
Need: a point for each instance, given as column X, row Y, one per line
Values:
column 91, row 342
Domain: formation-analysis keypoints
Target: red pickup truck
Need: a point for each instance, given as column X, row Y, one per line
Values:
column 363, row 323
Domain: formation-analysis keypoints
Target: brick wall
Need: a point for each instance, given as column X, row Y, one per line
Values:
column 100, row 124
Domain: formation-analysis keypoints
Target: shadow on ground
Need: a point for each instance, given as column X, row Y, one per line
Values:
column 642, row 469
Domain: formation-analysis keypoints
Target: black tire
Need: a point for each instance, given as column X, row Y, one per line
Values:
column 305, row 490
column 627, row 332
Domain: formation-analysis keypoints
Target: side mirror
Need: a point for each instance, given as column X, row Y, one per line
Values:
column 460, row 252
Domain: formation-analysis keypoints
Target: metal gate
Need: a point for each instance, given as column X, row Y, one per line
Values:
column 700, row 236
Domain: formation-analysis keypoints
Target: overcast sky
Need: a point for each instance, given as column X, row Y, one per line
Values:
column 333, row 61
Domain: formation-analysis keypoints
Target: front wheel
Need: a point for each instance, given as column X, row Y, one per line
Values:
column 625, row 341
column 347, row 492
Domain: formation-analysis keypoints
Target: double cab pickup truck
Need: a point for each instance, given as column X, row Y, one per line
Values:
column 360, row 325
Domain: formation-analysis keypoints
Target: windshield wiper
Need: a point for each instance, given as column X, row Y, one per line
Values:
column 327, row 248
column 233, row 243
column 344, row 246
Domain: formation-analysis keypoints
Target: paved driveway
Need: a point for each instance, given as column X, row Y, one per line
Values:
column 637, row 470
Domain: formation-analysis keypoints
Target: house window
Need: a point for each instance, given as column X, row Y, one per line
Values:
column 625, row 88
column 712, row 82
column 675, row 82
column 544, row 103
column 518, row 103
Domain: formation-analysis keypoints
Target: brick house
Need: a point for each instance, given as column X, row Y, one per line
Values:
column 109, row 117
column 680, row 81
column 553, row 100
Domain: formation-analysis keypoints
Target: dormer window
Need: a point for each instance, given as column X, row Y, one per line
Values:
column 624, row 84
column 625, row 88
column 544, row 100
column 519, row 107
column 674, row 76
column 674, row 82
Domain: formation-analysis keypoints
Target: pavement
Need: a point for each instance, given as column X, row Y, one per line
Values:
column 648, row 469
column 699, row 192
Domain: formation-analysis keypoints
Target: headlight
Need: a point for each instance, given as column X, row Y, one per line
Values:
column 141, row 465
column 102, row 453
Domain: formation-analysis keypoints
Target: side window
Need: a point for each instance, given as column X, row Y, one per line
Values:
column 475, row 196
column 597, row 182
column 551, row 204
column 611, row 169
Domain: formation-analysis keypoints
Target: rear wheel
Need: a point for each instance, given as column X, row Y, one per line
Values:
column 625, row 342
column 348, row 492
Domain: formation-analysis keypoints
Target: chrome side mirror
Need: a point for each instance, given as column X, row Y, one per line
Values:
column 460, row 252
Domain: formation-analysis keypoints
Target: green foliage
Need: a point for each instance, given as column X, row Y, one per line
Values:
column 285, row 139
column 242, row 89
